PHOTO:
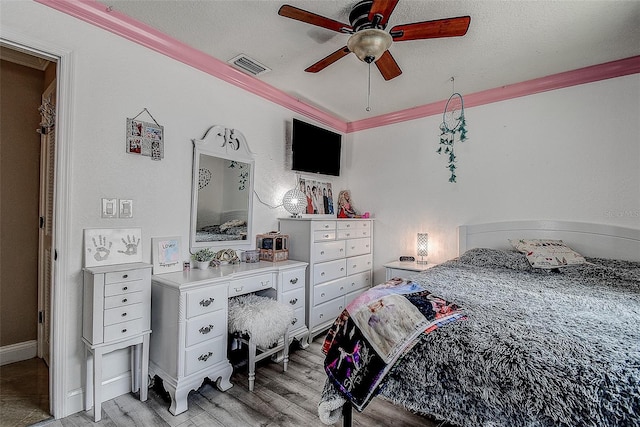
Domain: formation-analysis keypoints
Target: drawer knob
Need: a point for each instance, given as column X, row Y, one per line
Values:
column 322, row 274
column 342, row 288
column 341, row 250
column 293, row 281
column 326, row 236
column 124, row 276
column 205, row 329
column 124, row 314
column 321, row 315
column 239, row 289
column 322, row 294
column 293, row 301
column 124, row 288
column 321, row 252
column 326, row 226
column 207, row 302
column 204, row 357
column 341, row 268
column 265, row 282
column 294, row 321
column 124, row 300
column 124, row 331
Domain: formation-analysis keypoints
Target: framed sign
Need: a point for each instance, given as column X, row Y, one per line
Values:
column 166, row 254
column 319, row 197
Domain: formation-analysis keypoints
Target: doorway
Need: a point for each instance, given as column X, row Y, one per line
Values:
column 27, row 172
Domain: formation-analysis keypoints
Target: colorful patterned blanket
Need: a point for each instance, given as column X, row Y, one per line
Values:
column 375, row 330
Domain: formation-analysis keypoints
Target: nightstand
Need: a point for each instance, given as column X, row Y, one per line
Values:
column 404, row 268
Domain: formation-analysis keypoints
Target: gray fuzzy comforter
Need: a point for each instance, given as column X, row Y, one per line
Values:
column 539, row 348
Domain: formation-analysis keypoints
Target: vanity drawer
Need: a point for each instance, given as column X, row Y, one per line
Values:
column 323, row 225
column 327, row 312
column 125, row 276
column 293, row 279
column 294, row 298
column 298, row 319
column 122, row 314
column 326, row 251
column 251, row 284
column 205, row 327
column 319, row 236
column 327, row 271
column 358, row 264
column 122, row 300
column 204, row 355
column 206, row 300
column 121, row 288
column 328, row 291
column 124, row 329
column 358, row 246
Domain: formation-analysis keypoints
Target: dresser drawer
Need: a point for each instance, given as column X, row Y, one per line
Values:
column 207, row 300
column 122, row 300
column 328, row 291
column 251, row 284
column 327, row 251
column 205, row 327
column 358, row 264
column 124, row 276
column 121, row 288
column 204, row 355
column 358, row 246
column 294, row 298
column 320, row 236
column 323, row 225
column 327, row 312
column 358, row 281
column 330, row 270
column 122, row 314
column 293, row 279
column 124, row 329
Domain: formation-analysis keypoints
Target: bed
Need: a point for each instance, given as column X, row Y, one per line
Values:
column 528, row 346
column 235, row 229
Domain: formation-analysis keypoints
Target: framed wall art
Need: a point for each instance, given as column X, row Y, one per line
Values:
column 319, row 196
column 145, row 138
column 109, row 246
column 166, row 254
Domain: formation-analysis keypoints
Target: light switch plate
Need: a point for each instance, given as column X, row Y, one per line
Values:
column 126, row 208
column 109, row 208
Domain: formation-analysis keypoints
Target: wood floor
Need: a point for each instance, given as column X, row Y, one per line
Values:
column 279, row 399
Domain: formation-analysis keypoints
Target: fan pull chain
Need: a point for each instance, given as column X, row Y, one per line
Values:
column 369, row 90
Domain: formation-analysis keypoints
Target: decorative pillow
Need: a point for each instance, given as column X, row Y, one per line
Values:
column 495, row 258
column 544, row 253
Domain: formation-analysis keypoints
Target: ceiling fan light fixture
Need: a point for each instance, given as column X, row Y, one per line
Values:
column 369, row 44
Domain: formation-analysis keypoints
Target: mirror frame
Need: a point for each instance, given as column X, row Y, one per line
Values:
column 228, row 144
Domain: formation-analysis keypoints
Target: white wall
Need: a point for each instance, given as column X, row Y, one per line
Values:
column 114, row 79
column 570, row 154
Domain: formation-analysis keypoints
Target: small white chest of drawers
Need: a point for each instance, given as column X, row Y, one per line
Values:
column 190, row 316
column 340, row 257
column 116, row 315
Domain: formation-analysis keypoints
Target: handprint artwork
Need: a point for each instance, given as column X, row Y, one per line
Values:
column 109, row 246
column 102, row 252
column 131, row 245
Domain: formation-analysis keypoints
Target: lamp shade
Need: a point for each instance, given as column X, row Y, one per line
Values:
column 423, row 246
column 369, row 44
column 295, row 202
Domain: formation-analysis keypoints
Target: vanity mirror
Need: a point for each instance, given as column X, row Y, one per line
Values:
column 221, row 190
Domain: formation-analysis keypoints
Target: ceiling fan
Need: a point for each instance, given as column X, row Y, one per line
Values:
column 368, row 40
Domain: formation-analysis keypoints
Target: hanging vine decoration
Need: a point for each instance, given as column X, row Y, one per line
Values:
column 453, row 122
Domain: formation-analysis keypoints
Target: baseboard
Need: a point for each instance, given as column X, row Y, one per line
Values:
column 18, row 352
column 111, row 388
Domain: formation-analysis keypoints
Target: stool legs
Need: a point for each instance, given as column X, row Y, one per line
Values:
column 252, row 363
column 253, row 358
column 285, row 362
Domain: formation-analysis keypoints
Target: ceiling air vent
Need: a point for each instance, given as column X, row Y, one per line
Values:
column 248, row 65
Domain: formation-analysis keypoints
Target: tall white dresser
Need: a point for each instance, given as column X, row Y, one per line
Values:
column 340, row 257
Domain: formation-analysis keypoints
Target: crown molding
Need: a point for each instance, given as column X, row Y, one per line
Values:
column 97, row 14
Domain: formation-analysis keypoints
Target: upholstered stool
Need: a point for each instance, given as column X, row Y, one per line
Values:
column 260, row 322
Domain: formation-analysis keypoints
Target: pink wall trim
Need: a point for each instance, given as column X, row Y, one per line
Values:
column 95, row 13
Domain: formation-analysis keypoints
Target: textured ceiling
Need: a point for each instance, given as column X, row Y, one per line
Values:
column 507, row 42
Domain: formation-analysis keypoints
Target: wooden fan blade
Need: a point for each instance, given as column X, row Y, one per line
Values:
column 450, row 27
column 382, row 8
column 388, row 66
column 313, row 19
column 325, row 62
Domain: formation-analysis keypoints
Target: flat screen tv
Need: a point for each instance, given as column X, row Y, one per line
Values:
column 315, row 149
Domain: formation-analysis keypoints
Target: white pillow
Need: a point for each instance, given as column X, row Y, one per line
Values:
column 545, row 253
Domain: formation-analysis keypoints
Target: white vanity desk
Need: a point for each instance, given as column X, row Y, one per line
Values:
column 189, row 320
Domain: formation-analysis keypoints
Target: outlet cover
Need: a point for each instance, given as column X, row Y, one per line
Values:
column 109, row 208
column 126, row 208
